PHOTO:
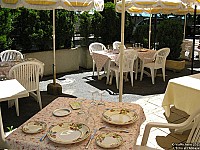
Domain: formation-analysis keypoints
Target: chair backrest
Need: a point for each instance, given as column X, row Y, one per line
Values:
column 116, row 45
column 9, row 55
column 27, row 73
column 160, row 57
column 96, row 46
column 129, row 57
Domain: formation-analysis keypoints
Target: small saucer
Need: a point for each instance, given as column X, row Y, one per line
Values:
column 61, row 112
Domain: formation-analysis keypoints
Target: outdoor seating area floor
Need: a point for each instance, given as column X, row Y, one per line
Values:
column 80, row 83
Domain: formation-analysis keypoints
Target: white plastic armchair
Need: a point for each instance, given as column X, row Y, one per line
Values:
column 9, row 55
column 157, row 62
column 194, row 136
column 129, row 58
column 96, row 46
column 116, row 45
column 28, row 73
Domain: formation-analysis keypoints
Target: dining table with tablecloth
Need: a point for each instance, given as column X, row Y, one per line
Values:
column 183, row 93
column 5, row 66
column 20, row 140
column 104, row 58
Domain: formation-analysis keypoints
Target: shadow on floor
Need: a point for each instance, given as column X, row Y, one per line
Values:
column 27, row 108
column 144, row 87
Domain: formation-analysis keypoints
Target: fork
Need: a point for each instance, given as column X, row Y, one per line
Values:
column 92, row 136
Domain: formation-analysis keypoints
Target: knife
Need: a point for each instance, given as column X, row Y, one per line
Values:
column 91, row 137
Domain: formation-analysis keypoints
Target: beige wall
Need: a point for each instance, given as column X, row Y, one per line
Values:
column 67, row 60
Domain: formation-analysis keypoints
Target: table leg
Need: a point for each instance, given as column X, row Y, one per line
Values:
column 136, row 68
column 140, row 68
column 3, row 143
column 108, row 72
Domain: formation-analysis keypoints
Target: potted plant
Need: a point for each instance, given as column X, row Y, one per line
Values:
column 170, row 35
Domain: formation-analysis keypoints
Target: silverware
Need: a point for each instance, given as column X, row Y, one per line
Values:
column 117, row 130
column 43, row 137
column 92, row 136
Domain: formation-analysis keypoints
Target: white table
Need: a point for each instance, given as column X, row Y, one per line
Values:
column 9, row 89
column 183, row 93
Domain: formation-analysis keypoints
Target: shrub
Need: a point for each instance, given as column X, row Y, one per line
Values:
column 85, row 27
column 170, row 35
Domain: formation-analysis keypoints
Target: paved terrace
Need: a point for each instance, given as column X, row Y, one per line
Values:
column 79, row 83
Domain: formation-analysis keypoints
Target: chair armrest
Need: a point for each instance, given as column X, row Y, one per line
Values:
column 148, row 60
column 167, row 125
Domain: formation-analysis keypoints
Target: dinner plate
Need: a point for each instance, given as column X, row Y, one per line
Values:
column 119, row 116
column 68, row 133
column 143, row 50
column 4, row 65
column 61, row 112
column 109, row 140
column 34, row 127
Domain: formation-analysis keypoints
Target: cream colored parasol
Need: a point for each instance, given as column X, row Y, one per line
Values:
column 71, row 5
column 142, row 4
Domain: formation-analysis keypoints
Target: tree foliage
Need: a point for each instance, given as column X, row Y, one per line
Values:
column 170, row 35
column 5, row 28
column 85, row 27
column 109, row 25
column 96, row 25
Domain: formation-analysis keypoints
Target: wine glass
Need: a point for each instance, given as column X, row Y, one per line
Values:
column 101, row 96
column 80, row 100
column 93, row 96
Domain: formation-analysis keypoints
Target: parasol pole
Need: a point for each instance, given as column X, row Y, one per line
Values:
column 54, row 88
column 150, row 30
column 192, row 64
column 54, row 49
column 185, row 21
column 122, row 51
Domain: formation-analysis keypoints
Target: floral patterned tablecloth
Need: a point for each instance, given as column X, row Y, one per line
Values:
column 20, row 140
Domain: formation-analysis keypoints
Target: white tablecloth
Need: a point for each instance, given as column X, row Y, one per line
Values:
column 183, row 93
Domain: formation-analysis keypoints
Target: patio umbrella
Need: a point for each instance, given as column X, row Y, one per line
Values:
column 187, row 10
column 157, row 6
column 139, row 4
column 71, row 5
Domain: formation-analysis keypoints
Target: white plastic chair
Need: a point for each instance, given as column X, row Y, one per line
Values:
column 96, row 46
column 194, row 136
column 9, row 55
column 116, row 45
column 129, row 58
column 186, row 46
column 27, row 73
column 157, row 62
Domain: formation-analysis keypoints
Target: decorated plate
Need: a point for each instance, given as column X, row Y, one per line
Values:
column 68, row 133
column 143, row 50
column 61, row 112
column 120, row 116
column 34, row 127
column 4, row 65
column 109, row 140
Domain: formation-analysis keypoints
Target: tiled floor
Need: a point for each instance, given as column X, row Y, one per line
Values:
column 160, row 138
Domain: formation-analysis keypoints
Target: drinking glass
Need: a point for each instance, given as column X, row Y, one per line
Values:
column 108, row 47
column 82, row 117
column 136, row 45
column 24, row 56
column 80, row 100
column 101, row 96
column 93, row 96
column 141, row 46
